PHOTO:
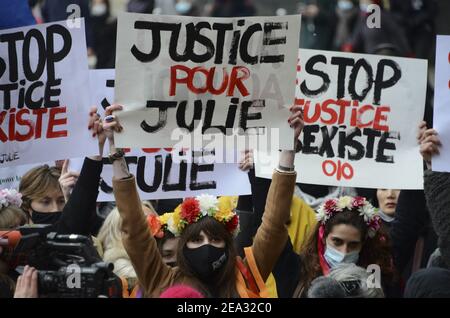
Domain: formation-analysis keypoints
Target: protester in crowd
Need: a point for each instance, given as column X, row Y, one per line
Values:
column 187, row 8
column 386, row 38
column 346, row 281
column 141, row 6
column 347, row 12
column 348, row 231
column 44, row 201
column 11, row 215
column 417, row 16
column 429, row 283
column 15, row 14
column 110, row 246
column 104, row 28
column 386, row 201
column 167, row 243
column 61, row 10
column 318, row 24
column 437, row 187
column 206, row 253
column 233, row 8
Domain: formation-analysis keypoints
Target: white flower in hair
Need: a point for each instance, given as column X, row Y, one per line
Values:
column 321, row 215
column 171, row 226
column 208, row 204
column 345, row 203
column 10, row 197
column 368, row 211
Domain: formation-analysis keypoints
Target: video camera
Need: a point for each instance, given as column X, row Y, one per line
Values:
column 68, row 265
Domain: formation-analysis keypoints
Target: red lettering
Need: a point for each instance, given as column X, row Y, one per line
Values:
column 53, row 121
column 24, row 122
column 210, row 82
column 3, row 137
column 236, row 81
column 174, row 79
column 192, row 88
column 361, row 111
column 330, row 111
column 339, row 170
column 315, row 117
column 38, row 128
column 380, row 117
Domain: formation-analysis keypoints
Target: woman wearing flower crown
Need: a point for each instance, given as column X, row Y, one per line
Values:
column 348, row 231
column 206, row 256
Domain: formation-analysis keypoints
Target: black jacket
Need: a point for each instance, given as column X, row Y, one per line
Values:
column 79, row 214
column 412, row 220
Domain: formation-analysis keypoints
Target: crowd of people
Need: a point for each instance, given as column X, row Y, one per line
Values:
column 286, row 239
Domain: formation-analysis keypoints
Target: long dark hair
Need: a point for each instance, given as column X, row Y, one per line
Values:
column 225, row 282
column 374, row 250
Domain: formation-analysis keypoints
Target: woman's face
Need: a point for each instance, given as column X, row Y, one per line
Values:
column 169, row 251
column 345, row 238
column 53, row 201
column 387, row 200
column 203, row 239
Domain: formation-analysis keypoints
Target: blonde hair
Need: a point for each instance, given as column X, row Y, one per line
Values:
column 12, row 216
column 37, row 182
column 110, row 241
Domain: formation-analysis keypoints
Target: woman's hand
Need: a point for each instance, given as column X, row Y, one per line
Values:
column 429, row 143
column 110, row 123
column 27, row 284
column 95, row 126
column 247, row 161
column 296, row 122
column 67, row 180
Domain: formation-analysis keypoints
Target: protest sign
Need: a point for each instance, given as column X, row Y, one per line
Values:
column 199, row 79
column 159, row 177
column 441, row 120
column 156, row 169
column 10, row 177
column 361, row 116
column 44, row 94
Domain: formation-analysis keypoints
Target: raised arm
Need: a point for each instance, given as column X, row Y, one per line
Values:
column 79, row 214
column 272, row 235
column 137, row 239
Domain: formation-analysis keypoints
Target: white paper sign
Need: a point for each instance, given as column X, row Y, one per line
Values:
column 157, row 180
column 44, row 94
column 193, row 79
column 10, row 177
column 159, row 177
column 361, row 114
column 441, row 120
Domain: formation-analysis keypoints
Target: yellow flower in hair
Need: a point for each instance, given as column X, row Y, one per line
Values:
column 165, row 218
column 177, row 218
column 225, row 210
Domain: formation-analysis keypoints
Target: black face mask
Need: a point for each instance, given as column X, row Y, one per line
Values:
column 45, row 218
column 172, row 264
column 206, row 261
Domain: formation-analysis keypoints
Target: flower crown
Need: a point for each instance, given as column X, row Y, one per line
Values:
column 10, row 197
column 357, row 204
column 193, row 209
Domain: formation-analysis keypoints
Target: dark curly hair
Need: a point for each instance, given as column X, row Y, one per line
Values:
column 374, row 250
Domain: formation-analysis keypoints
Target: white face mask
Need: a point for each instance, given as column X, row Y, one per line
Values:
column 99, row 9
column 334, row 257
column 183, row 7
column 364, row 7
column 345, row 5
